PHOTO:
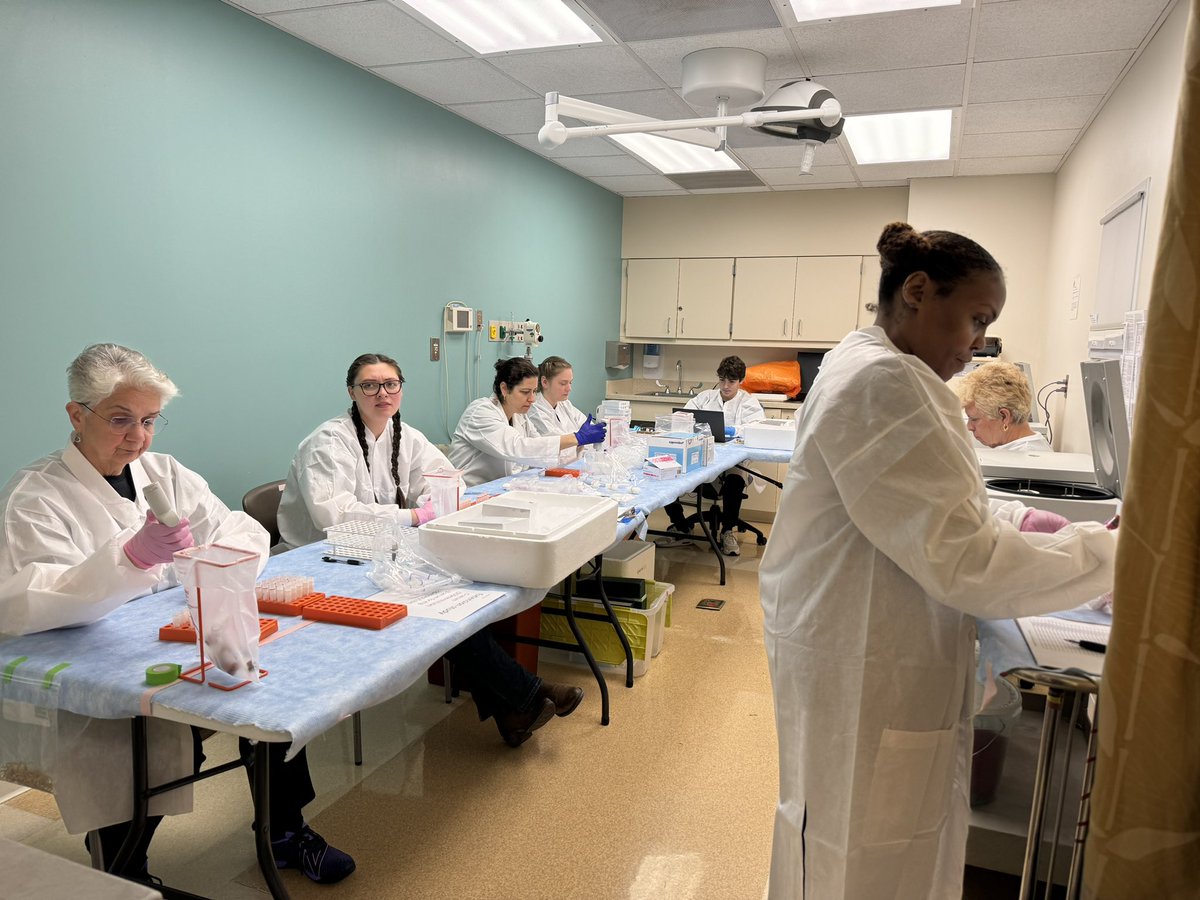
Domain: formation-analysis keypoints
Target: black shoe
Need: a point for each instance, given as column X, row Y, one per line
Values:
column 565, row 697
column 516, row 727
column 310, row 853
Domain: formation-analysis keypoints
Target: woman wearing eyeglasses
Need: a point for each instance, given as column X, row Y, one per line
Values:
column 363, row 463
column 366, row 463
column 79, row 540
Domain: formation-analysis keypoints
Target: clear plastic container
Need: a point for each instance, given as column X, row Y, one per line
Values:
column 218, row 582
column 445, row 489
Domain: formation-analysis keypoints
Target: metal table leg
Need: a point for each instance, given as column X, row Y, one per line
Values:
column 569, row 609
column 712, row 540
column 262, row 821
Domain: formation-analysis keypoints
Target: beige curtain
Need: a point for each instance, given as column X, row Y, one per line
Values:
column 1145, row 818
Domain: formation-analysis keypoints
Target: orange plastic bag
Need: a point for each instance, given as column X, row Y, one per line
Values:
column 774, row 378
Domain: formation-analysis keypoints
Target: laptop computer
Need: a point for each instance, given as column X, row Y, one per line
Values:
column 713, row 418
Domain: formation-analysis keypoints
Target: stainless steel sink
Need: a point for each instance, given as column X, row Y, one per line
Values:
column 663, row 394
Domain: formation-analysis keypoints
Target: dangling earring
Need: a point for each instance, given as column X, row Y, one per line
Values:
column 1005, row 427
column 76, row 437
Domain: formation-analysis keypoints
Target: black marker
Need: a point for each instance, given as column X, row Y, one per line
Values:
column 349, row 562
column 1094, row 646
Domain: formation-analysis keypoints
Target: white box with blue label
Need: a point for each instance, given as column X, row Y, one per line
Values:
column 688, row 449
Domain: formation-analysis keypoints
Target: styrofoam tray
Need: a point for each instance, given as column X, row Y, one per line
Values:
column 524, row 538
column 770, row 434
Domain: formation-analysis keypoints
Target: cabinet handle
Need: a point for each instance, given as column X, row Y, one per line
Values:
column 668, row 325
column 799, row 327
column 681, row 325
column 785, row 330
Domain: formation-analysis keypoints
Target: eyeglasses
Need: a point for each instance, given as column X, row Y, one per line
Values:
column 126, row 424
column 371, row 388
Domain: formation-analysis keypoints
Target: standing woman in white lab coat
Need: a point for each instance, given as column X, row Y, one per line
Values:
column 552, row 411
column 79, row 541
column 494, row 437
column 367, row 463
column 883, row 553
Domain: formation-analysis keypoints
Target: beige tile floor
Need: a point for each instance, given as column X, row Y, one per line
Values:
column 674, row 799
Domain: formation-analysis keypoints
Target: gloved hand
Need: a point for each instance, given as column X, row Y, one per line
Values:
column 424, row 513
column 158, row 543
column 590, row 432
column 1042, row 521
column 1114, row 523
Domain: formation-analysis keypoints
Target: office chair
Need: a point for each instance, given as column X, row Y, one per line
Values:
column 712, row 516
column 262, row 505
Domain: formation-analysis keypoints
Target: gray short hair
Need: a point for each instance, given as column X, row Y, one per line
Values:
column 103, row 368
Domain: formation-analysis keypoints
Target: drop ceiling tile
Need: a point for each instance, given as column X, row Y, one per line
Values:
column 820, row 186
column 369, row 34
column 903, row 89
column 932, row 168
column 505, row 116
column 263, row 7
column 787, row 153
column 665, row 57
column 593, row 146
column 455, row 81
column 675, row 193
column 638, row 20
column 591, row 166
column 621, row 183
column 1023, row 28
column 820, row 175
column 1017, row 143
column 661, row 104
column 1046, row 76
column 905, row 40
column 1030, row 115
column 580, row 70
column 1020, row 165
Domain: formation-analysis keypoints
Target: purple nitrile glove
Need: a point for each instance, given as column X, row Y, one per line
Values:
column 424, row 513
column 158, row 543
column 590, row 432
column 1043, row 521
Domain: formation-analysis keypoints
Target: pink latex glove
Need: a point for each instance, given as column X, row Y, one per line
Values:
column 424, row 513
column 1042, row 521
column 158, row 543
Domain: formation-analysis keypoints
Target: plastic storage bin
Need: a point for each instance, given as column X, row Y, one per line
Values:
column 644, row 628
column 523, row 538
column 629, row 559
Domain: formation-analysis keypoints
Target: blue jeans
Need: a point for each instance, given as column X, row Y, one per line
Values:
column 497, row 682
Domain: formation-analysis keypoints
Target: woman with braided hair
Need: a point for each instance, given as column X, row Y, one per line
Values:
column 365, row 463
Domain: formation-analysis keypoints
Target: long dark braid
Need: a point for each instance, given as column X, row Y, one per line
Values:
column 370, row 359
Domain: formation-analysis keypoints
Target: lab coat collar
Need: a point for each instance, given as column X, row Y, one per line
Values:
column 87, row 475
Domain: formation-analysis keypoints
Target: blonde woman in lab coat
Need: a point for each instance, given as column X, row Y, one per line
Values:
column 79, row 540
column 997, row 402
column 494, row 437
column 884, row 551
column 367, row 463
column 552, row 411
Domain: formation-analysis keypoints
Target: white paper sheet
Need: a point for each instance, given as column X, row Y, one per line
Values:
column 451, row 605
column 1049, row 641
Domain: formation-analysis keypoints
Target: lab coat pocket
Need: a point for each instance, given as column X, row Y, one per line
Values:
column 910, row 784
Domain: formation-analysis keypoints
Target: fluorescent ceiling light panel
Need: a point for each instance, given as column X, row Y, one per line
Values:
column 899, row 137
column 673, row 157
column 497, row 26
column 810, row 10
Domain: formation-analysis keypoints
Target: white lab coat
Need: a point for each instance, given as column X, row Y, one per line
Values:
column 883, row 552
column 329, row 482
column 62, row 564
column 1033, row 443
column 563, row 418
column 486, row 447
column 741, row 410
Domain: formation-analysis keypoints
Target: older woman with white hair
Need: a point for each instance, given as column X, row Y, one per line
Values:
column 997, row 403
column 79, row 540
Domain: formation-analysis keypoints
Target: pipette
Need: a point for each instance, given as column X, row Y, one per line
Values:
column 158, row 501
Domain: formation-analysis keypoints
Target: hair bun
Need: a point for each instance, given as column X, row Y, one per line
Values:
column 898, row 238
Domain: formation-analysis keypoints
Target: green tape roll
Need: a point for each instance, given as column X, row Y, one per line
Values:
column 162, row 673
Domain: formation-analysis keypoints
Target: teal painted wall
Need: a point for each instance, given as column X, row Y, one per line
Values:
column 253, row 213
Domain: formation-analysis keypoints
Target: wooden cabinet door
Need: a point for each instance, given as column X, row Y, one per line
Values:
column 705, row 298
column 827, row 290
column 651, row 297
column 764, row 291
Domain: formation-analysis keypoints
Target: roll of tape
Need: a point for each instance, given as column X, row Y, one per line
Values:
column 162, row 673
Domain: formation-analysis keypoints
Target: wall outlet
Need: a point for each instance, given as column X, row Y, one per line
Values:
column 435, row 349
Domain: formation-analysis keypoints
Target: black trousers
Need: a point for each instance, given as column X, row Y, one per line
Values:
column 729, row 488
column 497, row 681
column 291, row 790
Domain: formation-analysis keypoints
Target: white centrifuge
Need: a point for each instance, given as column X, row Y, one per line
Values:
column 1080, row 487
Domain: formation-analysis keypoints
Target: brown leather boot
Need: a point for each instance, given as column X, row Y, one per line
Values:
column 564, row 696
column 516, row 727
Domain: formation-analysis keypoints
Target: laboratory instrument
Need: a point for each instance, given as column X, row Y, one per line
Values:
column 160, row 503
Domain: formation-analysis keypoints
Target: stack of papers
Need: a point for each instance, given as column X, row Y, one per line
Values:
column 1050, row 642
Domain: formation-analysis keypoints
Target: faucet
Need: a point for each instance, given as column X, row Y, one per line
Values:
column 679, row 372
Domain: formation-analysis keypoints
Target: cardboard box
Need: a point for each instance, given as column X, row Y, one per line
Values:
column 662, row 466
column 770, row 434
column 687, row 449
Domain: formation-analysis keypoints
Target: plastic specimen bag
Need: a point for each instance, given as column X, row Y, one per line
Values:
column 399, row 564
column 218, row 582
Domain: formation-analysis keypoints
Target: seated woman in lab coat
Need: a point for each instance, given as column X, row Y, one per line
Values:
column 552, row 411
column 997, row 401
column 367, row 463
column 494, row 437
column 79, row 541
column 884, row 551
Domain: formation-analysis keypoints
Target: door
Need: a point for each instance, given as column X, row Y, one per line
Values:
column 764, row 291
column 705, row 298
column 827, row 290
column 651, row 297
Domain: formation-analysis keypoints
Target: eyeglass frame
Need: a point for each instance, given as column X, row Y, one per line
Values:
column 157, row 422
column 381, row 385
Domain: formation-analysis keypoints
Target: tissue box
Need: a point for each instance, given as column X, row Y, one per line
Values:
column 687, row 449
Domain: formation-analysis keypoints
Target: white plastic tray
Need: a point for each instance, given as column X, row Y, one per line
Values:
column 523, row 538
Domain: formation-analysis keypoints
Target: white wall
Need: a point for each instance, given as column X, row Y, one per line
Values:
column 1009, row 215
column 1131, row 139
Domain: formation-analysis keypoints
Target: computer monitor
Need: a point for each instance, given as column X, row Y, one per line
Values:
column 713, row 418
column 810, row 365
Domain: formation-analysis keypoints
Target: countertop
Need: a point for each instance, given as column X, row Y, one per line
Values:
column 681, row 399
